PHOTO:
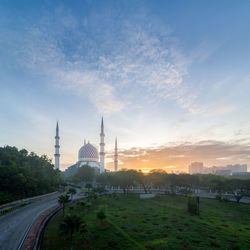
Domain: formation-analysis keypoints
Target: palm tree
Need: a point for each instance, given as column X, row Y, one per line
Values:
column 72, row 191
column 72, row 224
column 63, row 200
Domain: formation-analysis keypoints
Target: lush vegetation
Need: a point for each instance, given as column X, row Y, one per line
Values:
column 24, row 174
column 126, row 222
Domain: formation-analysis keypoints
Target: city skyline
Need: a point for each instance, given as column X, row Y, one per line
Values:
column 171, row 80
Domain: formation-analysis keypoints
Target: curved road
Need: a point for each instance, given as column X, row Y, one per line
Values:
column 15, row 226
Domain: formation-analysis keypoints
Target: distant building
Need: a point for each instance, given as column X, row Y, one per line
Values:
column 195, row 168
column 199, row 168
column 237, row 168
column 224, row 172
column 241, row 174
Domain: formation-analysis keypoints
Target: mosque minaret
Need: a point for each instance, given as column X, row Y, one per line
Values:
column 102, row 152
column 57, row 146
column 88, row 154
column 116, row 157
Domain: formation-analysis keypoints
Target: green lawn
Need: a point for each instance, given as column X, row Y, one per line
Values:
column 159, row 223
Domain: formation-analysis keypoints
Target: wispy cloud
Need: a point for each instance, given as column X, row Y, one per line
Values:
column 107, row 65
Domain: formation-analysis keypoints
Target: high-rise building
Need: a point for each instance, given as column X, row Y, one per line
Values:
column 195, row 168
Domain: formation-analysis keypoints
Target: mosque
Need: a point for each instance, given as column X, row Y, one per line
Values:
column 88, row 154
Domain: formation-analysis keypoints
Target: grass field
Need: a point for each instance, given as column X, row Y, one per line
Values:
column 159, row 223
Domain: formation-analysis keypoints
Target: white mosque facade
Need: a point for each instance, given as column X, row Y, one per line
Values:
column 88, row 154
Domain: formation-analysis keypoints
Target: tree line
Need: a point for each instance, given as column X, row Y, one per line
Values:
column 186, row 183
column 24, row 174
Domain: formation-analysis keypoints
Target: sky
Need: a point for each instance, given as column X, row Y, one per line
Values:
column 170, row 78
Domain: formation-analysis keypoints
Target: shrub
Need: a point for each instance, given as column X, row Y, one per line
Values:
column 88, row 204
column 6, row 210
column 226, row 199
column 185, row 192
column 193, row 204
column 24, row 204
column 92, row 195
column 218, row 197
column 101, row 213
column 82, row 203
column 172, row 193
column 114, row 195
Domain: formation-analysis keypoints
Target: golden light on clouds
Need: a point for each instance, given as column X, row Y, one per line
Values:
column 178, row 157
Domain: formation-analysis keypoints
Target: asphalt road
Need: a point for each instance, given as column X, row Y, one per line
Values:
column 15, row 226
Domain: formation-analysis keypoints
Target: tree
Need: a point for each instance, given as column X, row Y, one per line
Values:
column 126, row 178
column 88, row 186
column 72, row 224
column 145, row 181
column 24, row 175
column 72, row 191
column 85, row 173
column 63, row 200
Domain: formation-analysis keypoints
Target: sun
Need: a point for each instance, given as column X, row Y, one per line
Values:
column 145, row 170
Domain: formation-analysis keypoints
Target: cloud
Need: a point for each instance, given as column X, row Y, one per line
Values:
column 114, row 63
column 130, row 58
column 180, row 156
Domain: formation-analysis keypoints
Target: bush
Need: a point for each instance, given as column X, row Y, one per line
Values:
column 114, row 195
column 88, row 204
column 92, row 195
column 226, row 199
column 6, row 210
column 82, row 203
column 24, row 204
column 185, row 192
column 218, row 197
column 100, row 190
column 193, row 204
column 101, row 213
column 172, row 193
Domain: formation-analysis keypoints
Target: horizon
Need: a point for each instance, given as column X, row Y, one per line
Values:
column 171, row 80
